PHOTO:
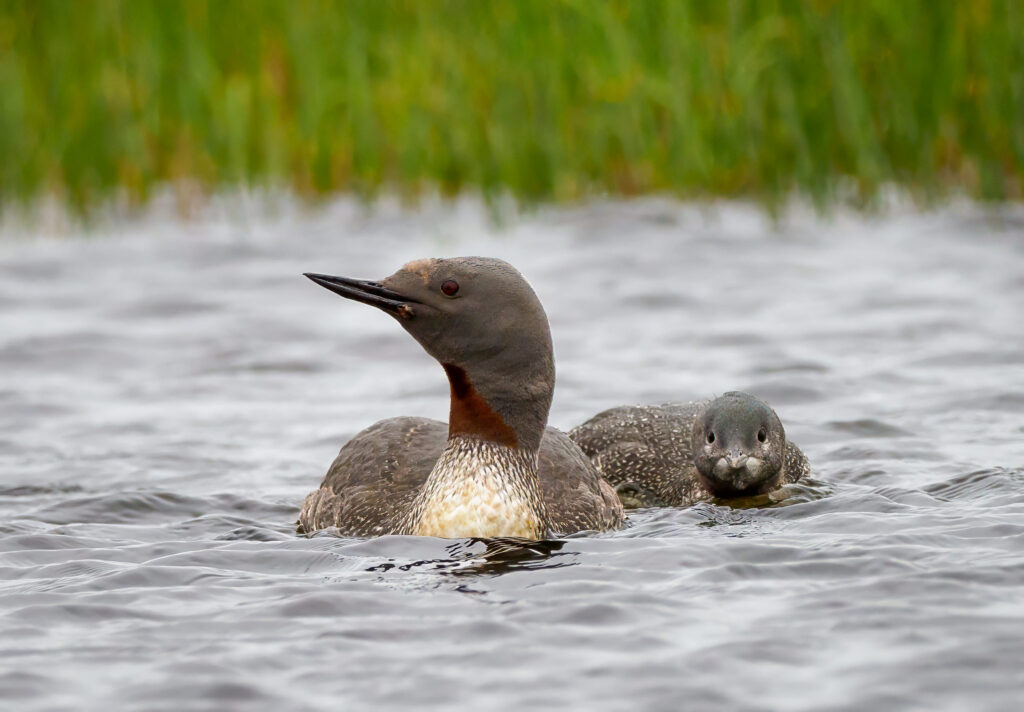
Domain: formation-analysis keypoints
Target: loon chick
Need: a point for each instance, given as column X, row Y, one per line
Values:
column 495, row 469
column 680, row 453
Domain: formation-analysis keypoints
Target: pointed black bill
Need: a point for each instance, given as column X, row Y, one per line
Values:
column 372, row 293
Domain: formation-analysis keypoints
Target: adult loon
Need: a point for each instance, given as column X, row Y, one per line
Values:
column 495, row 469
column 680, row 453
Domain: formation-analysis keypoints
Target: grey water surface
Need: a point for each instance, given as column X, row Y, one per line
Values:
column 170, row 390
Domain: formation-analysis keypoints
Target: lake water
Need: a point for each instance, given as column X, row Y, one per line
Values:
column 170, row 391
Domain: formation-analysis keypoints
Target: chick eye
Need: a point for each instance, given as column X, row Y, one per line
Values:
column 762, row 435
column 449, row 287
column 711, row 437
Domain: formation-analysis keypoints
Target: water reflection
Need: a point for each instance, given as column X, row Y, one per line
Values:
column 479, row 557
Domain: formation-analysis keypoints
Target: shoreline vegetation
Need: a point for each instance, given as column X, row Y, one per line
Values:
column 553, row 100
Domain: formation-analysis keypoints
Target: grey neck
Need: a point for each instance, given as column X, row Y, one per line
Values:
column 523, row 400
column 504, row 399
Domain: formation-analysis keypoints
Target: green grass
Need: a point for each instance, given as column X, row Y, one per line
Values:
column 540, row 99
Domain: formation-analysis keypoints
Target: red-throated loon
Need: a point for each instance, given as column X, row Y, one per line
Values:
column 681, row 453
column 495, row 469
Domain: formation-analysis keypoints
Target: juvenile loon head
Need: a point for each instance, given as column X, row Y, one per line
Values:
column 739, row 445
column 483, row 322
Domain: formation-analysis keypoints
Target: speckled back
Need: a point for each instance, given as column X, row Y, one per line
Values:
column 645, row 451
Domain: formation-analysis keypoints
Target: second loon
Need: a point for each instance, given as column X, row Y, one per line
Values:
column 495, row 469
column 681, row 453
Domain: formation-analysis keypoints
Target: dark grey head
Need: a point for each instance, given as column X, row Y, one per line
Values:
column 739, row 446
column 481, row 320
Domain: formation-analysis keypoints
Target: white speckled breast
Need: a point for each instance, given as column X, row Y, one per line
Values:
column 480, row 489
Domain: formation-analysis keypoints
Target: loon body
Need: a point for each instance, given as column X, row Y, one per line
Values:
column 495, row 469
column 403, row 451
column 680, row 453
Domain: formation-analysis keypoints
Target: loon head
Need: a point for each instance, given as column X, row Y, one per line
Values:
column 738, row 445
column 483, row 322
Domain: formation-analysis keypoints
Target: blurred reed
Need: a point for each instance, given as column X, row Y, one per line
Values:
column 538, row 99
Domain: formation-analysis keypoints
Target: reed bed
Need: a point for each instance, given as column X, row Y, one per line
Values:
column 543, row 100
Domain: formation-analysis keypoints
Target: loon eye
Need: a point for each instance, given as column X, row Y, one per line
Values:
column 762, row 435
column 449, row 287
column 711, row 437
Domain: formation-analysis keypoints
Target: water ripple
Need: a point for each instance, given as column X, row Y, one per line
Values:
column 167, row 403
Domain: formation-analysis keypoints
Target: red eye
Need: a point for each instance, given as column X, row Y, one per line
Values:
column 449, row 287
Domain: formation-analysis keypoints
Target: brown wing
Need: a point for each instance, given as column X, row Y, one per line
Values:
column 576, row 497
column 375, row 477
